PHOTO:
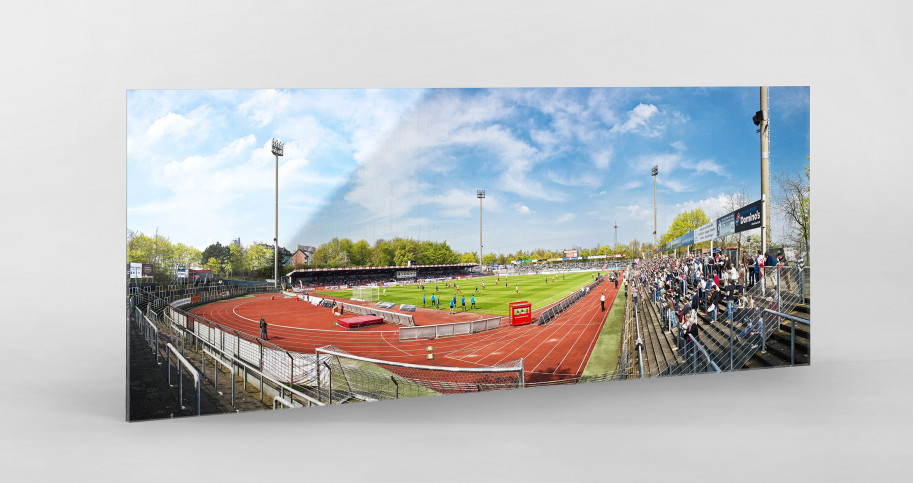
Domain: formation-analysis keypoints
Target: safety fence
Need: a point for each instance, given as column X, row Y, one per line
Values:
column 550, row 313
column 446, row 330
column 392, row 317
column 344, row 377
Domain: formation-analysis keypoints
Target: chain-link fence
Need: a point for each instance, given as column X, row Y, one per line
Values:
column 344, row 377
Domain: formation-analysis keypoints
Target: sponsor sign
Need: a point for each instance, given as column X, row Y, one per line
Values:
column 749, row 217
column 595, row 257
column 570, row 254
column 725, row 225
column 705, row 233
column 147, row 269
column 135, row 270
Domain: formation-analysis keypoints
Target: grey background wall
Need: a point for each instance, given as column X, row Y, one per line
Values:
column 62, row 118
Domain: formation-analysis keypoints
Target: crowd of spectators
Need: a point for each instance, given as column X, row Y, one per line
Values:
column 681, row 287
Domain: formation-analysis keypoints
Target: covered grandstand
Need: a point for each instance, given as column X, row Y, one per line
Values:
column 329, row 277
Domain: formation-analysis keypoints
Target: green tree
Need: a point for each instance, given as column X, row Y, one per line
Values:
column 491, row 259
column 470, row 258
column 258, row 258
column 684, row 222
column 216, row 250
column 361, row 254
column 213, row 264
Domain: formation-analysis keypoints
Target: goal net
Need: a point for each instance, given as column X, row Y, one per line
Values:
column 360, row 378
column 366, row 294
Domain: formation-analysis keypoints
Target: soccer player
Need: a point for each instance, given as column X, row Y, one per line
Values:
column 483, row 285
column 473, row 301
column 432, row 300
column 463, row 300
column 452, row 303
column 518, row 289
column 423, row 299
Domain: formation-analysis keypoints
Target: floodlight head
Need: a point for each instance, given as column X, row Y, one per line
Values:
column 655, row 170
column 277, row 147
column 480, row 194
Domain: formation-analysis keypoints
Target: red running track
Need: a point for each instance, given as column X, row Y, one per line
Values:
column 558, row 350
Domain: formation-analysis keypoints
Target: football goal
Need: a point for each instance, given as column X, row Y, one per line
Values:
column 366, row 294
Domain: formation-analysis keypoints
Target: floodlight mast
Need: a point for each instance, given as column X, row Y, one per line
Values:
column 654, row 173
column 277, row 151
column 480, row 194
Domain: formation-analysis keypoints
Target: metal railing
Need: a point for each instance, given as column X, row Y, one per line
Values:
column 179, row 325
column 446, row 330
column 215, row 371
column 640, row 343
column 182, row 363
column 550, row 313
column 792, row 333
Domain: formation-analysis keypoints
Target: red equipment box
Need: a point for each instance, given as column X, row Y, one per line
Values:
column 521, row 313
column 360, row 321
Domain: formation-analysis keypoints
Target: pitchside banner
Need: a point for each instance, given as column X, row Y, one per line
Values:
column 749, row 217
column 705, row 233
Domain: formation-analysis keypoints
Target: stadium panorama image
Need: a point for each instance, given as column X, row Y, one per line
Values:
column 290, row 248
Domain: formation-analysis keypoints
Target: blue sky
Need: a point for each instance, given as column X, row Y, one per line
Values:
column 559, row 166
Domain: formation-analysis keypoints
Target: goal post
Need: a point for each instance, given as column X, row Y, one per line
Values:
column 355, row 377
column 366, row 294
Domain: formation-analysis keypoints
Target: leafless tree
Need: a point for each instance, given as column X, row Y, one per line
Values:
column 734, row 201
column 792, row 200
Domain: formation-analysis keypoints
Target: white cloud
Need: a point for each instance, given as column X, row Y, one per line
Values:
column 708, row 165
column 678, row 145
column 602, row 159
column 637, row 118
column 457, row 203
column 632, row 209
column 265, row 105
column 522, row 209
column 566, row 217
column 673, row 184
column 171, row 124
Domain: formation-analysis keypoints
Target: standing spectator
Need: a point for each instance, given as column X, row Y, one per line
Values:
column 759, row 269
column 634, row 294
column 263, row 329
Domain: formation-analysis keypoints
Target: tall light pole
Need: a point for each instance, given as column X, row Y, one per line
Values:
column 277, row 150
column 654, row 173
column 480, row 194
column 616, row 237
column 762, row 120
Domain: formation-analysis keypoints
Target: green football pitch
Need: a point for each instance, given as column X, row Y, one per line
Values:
column 493, row 299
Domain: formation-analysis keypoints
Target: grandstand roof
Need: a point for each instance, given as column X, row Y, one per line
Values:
column 354, row 269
